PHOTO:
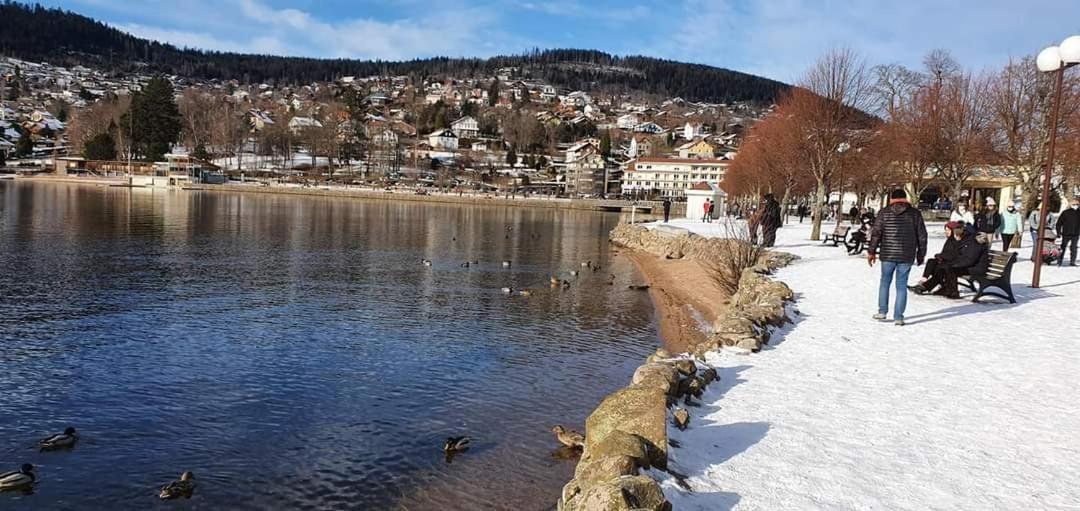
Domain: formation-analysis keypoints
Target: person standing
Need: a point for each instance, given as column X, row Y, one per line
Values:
column 1011, row 224
column 1068, row 228
column 962, row 215
column 705, row 210
column 771, row 220
column 667, row 209
column 899, row 236
column 989, row 220
column 802, row 212
column 712, row 210
column 1033, row 228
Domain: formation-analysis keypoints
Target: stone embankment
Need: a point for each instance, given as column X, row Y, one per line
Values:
column 628, row 430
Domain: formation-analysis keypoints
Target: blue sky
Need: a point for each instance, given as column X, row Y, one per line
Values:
column 774, row 38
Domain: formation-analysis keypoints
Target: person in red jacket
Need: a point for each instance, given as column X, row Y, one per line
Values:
column 705, row 209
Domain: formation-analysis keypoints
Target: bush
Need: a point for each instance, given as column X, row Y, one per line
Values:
column 100, row 147
column 738, row 253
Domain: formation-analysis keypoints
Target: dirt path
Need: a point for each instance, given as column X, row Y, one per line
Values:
column 686, row 298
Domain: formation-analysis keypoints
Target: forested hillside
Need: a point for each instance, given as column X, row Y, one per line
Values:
column 66, row 38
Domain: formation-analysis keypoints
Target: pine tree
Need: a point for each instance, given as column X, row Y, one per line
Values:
column 25, row 146
column 511, row 157
column 100, row 147
column 605, row 145
column 153, row 121
column 493, row 93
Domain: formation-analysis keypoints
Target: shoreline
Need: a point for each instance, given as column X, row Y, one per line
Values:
column 401, row 195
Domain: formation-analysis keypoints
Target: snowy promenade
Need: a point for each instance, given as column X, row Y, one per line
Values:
column 968, row 407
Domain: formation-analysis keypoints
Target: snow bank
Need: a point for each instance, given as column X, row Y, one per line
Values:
column 969, row 406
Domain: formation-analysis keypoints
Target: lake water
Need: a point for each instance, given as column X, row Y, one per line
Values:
column 294, row 353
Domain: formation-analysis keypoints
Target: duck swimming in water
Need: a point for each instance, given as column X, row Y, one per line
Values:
column 20, row 479
column 183, row 487
column 427, row 262
column 507, row 290
column 506, row 264
column 60, row 441
column 456, row 444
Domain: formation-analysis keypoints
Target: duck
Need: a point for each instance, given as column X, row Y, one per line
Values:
column 568, row 437
column 555, row 281
column 507, row 290
column 681, row 417
column 566, row 284
column 506, row 264
column 456, row 444
column 182, row 487
column 586, row 264
column 22, row 478
column 426, row 262
column 465, row 264
column 596, row 268
column 60, row 441
column 611, row 279
column 573, row 273
column 639, row 287
column 525, row 292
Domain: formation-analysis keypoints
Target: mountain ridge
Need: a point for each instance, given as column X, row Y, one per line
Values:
column 58, row 36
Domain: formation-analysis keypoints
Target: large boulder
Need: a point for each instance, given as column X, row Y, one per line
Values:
column 638, row 410
column 593, row 470
column 686, row 367
column 623, row 494
column 658, row 375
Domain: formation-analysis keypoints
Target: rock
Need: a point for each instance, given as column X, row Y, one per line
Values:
column 637, row 410
column 681, row 418
column 685, row 367
column 596, row 470
column 749, row 344
column 662, row 376
column 709, row 375
column 623, row 494
column 658, row 356
column 621, row 443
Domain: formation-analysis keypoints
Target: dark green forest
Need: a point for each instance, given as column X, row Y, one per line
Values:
column 36, row 33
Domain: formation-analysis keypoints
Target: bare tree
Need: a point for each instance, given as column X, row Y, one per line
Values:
column 197, row 111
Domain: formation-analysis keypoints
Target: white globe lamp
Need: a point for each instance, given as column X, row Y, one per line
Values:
column 1049, row 60
column 1069, row 50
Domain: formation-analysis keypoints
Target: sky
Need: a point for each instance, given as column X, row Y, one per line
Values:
column 779, row 39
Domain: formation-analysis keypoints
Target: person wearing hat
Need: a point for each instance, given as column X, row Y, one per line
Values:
column 988, row 221
column 934, row 271
column 899, row 239
column 962, row 214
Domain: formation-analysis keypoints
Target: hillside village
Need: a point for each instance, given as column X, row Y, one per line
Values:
column 507, row 132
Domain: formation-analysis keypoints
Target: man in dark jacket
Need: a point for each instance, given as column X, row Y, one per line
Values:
column 988, row 221
column 1068, row 228
column 771, row 219
column 667, row 209
column 899, row 238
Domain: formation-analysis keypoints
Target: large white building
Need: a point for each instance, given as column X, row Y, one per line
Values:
column 671, row 177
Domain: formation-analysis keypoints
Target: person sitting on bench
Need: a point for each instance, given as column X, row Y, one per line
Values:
column 947, row 255
column 969, row 253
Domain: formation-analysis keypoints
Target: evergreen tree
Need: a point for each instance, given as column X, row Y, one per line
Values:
column 100, row 147
column 25, row 146
column 153, row 121
column 200, row 152
column 3, row 158
column 605, row 145
column 493, row 93
column 511, row 157
column 541, row 162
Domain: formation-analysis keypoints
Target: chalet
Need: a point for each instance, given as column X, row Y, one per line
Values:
column 648, row 127
column 582, row 148
column 299, row 124
column 259, row 119
column 466, row 127
column 443, row 139
column 693, row 130
column 627, row 121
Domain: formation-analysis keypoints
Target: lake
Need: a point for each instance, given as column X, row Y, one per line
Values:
column 294, row 352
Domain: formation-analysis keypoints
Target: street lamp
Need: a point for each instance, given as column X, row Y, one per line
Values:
column 1055, row 59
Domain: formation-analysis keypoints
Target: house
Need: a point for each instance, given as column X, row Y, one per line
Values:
column 627, row 121
column 697, row 149
column 259, row 119
column 299, row 124
column 587, row 175
column 693, row 130
column 671, row 177
column 384, row 138
column 466, row 127
column 579, row 149
column 443, row 139
column 648, row 127
column 378, row 98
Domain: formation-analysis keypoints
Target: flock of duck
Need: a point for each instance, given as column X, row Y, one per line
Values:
column 25, row 478
column 555, row 281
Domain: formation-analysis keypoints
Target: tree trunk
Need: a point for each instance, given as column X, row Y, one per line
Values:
column 817, row 210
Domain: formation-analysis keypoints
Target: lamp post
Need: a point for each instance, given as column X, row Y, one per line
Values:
column 1055, row 59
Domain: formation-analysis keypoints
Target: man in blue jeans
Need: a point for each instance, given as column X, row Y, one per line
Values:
column 898, row 238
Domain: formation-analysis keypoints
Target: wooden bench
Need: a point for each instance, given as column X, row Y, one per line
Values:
column 838, row 236
column 999, row 275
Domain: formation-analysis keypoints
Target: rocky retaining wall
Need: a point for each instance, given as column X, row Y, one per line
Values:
column 628, row 430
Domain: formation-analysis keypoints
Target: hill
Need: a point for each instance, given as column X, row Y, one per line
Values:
column 62, row 37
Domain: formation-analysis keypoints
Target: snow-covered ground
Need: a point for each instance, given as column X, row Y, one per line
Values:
column 969, row 406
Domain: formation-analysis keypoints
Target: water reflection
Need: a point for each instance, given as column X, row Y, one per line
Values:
column 295, row 353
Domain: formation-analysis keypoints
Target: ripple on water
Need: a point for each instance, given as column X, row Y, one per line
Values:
column 294, row 354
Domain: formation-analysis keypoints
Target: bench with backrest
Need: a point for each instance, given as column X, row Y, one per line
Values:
column 838, row 236
column 999, row 276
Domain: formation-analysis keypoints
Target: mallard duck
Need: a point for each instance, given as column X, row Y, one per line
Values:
column 426, row 262
column 525, row 293
column 596, row 268
column 456, row 444
column 465, row 264
column 555, row 281
column 566, row 284
column 573, row 273
column 182, row 487
column 507, row 290
column 21, row 478
column 682, row 418
column 506, row 264
column 709, row 375
column 60, row 441
column 586, row 264
column 568, row 437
